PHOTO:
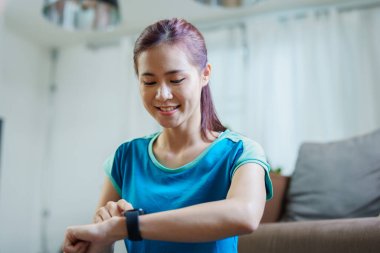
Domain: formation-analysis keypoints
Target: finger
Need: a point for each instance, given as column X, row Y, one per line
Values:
column 123, row 205
column 70, row 248
column 82, row 247
column 97, row 219
column 112, row 208
column 69, row 242
column 76, row 248
column 103, row 214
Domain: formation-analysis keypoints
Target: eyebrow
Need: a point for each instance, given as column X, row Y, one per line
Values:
column 166, row 73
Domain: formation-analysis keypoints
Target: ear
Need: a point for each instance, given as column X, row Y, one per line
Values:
column 205, row 75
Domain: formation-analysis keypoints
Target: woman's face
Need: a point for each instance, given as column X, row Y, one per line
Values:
column 170, row 86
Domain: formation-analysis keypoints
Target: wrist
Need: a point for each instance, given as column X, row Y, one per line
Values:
column 116, row 229
column 132, row 224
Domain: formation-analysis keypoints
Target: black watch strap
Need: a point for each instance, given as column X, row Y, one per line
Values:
column 132, row 222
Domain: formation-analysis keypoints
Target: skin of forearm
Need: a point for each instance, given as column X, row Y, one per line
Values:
column 113, row 229
column 199, row 223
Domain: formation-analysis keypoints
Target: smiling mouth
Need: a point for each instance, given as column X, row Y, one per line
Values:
column 167, row 108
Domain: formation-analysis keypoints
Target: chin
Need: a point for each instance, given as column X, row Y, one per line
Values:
column 167, row 125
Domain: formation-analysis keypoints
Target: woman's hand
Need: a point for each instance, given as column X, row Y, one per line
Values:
column 86, row 238
column 79, row 239
column 112, row 209
column 94, row 238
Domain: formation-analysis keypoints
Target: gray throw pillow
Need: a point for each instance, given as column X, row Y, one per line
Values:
column 336, row 180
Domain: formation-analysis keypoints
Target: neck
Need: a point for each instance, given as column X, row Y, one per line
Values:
column 176, row 139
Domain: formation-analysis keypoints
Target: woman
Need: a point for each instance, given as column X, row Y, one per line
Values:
column 199, row 184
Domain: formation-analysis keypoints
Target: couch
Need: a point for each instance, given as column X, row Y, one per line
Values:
column 331, row 203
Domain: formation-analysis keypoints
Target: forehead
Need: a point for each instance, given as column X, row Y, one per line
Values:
column 163, row 58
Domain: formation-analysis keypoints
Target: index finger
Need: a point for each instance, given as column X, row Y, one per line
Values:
column 123, row 205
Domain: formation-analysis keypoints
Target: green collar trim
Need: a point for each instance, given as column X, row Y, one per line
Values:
column 186, row 166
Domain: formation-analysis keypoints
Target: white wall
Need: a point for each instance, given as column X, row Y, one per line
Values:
column 94, row 104
column 23, row 94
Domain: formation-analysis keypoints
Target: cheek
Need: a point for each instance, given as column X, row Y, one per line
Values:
column 145, row 92
column 144, row 96
column 193, row 91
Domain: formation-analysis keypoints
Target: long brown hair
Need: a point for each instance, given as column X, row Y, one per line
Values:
column 179, row 31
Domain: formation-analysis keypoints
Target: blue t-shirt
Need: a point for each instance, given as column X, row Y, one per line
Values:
column 143, row 181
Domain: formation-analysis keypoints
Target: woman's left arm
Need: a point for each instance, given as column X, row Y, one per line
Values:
column 238, row 214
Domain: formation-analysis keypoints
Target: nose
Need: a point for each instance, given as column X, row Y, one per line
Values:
column 163, row 93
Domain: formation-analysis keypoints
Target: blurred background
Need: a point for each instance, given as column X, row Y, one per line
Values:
column 284, row 72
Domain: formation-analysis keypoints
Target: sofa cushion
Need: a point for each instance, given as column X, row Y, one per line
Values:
column 336, row 180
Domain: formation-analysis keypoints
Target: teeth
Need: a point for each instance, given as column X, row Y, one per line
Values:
column 167, row 109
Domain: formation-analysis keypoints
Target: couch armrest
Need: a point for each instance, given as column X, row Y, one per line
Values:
column 274, row 208
column 342, row 235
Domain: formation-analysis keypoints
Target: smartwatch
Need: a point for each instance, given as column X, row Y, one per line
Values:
column 132, row 222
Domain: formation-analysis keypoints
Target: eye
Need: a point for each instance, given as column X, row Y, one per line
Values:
column 177, row 81
column 149, row 83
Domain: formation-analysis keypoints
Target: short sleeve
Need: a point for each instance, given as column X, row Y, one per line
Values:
column 254, row 153
column 111, row 169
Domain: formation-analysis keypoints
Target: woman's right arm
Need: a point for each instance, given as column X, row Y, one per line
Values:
column 108, row 194
column 110, row 204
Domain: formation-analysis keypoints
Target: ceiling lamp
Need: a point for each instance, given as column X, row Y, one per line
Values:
column 228, row 3
column 90, row 15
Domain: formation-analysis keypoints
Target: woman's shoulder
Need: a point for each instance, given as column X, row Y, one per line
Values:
column 136, row 143
column 238, row 137
column 243, row 142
